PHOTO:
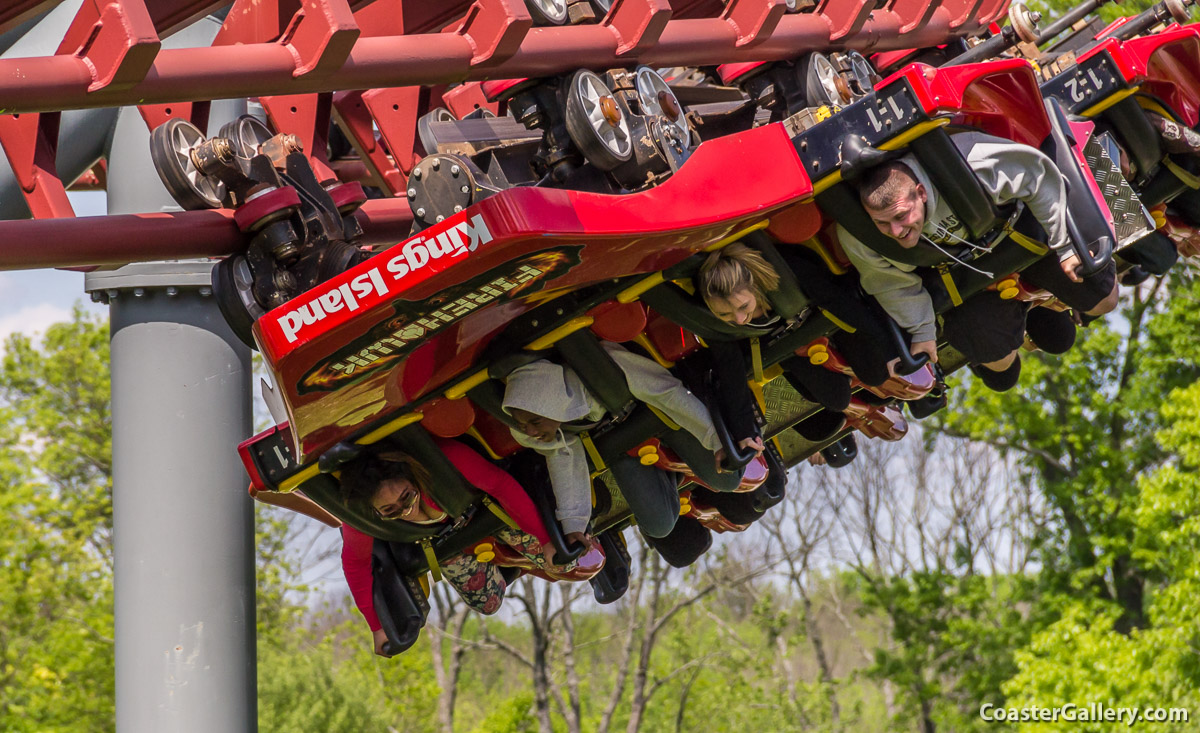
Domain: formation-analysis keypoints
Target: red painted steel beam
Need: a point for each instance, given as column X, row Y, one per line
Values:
column 61, row 82
column 123, row 238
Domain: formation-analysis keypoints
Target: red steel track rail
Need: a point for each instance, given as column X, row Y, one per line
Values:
column 494, row 41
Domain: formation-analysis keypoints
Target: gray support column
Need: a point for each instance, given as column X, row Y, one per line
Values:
column 183, row 522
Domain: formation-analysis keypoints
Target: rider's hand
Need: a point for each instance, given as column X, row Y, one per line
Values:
column 925, row 347
column 1069, row 265
column 720, row 458
column 380, row 640
column 755, row 444
column 817, row 459
column 578, row 537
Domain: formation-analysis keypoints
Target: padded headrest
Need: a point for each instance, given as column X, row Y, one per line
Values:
column 858, row 157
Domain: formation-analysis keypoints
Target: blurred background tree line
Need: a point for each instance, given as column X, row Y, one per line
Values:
column 1036, row 547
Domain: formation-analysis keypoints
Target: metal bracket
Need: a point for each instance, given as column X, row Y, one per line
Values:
column 395, row 111
column 495, row 29
column 913, row 13
column 754, row 20
column 845, row 16
column 31, row 143
column 307, row 117
column 963, row 12
column 157, row 114
column 116, row 39
column 465, row 98
column 637, row 24
column 320, row 36
column 355, row 121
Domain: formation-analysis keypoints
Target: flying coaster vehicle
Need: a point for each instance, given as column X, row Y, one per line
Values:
column 565, row 168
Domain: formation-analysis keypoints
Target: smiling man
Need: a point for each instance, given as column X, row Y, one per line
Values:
column 905, row 207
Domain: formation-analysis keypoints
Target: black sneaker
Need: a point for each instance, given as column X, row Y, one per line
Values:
column 999, row 381
column 1133, row 276
column 1051, row 331
column 821, row 426
column 686, row 543
column 927, row 405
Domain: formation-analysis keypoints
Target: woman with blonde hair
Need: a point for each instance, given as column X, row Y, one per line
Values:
column 734, row 282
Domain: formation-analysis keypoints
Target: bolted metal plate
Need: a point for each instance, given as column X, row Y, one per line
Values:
column 1131, row 221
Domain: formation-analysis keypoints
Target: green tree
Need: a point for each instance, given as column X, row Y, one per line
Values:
column 1083, row 657
column 1081, row 428
column 56, row 626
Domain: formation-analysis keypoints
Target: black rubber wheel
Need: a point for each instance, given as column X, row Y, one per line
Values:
column 171, row 144
column 590, row 108
column 232, row 286
column 926, row 406
column 337, row 258
column 547, row 12
column 425, row 128
column 246, row 133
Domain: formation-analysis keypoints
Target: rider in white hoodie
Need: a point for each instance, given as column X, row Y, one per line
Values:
column 552, row 406
column 905, row 206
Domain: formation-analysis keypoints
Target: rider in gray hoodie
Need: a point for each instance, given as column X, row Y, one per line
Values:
column 905, row 206
column 552, row 406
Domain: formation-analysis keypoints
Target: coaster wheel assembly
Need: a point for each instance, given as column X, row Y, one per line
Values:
column 596, row 122
column 824, row 87
column 171, row 150
column 656, row 98
column 547, row 12
column 247, row 134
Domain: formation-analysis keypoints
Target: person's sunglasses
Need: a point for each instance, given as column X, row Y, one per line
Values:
column 403, row 505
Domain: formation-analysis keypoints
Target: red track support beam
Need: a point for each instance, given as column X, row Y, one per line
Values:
column 115, row 39
column 123, row 238
column 31, row 143
column 62, row 82
column 754, row 20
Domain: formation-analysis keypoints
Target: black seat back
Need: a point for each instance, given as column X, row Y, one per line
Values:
column 1138, row 136
column 955, row 181
column 788, row 300
column 582, row 352
column 1091, row 233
